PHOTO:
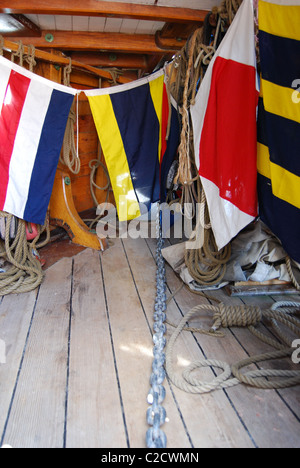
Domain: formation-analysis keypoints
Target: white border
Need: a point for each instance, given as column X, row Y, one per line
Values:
column 124, row 87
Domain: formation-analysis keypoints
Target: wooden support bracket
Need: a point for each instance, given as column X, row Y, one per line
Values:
column 63, row 213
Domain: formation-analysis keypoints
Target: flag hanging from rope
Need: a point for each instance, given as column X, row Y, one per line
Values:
column 224, row 122
column 33, row 118
column 131, row 124
column 279, row 121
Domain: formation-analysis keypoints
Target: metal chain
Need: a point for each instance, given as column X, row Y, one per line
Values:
column 156, row 414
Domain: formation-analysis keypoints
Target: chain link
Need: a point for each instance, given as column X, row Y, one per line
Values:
column 156, row 414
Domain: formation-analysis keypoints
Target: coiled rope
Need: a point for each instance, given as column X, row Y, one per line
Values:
column 205, row 263
column 241, row 316
column 25, row 271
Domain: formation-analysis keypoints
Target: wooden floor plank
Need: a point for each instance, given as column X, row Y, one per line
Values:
column 143, row 269
column 95, row 417
column 132, row 339
column 79, row 356
column 280, row 427
column 209, row 417
column 290, row 395
column 15, row 317
column 257, row 407
column 37, row 415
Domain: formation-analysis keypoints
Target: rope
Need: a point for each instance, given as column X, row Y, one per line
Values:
column 19, row 54
column 30, row 58
column 205, row 263
column 69, row 156
column 94, row 166
column 242, row 316
column 25, row 273
column 184, row 175
column 291, row 273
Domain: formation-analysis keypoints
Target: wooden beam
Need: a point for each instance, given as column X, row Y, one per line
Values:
column 105, row 59
column 18, row 25
column 103, row 8
column 80, row 40
column 57, row 59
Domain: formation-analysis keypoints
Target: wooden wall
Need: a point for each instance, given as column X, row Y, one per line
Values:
column 89, row 147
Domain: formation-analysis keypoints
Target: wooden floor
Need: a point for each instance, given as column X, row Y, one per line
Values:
column 79, row 355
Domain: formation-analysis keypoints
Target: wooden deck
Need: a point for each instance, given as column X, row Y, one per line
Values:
column 79, row 355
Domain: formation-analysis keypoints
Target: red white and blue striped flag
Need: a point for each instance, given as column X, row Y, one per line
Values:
column 33, row 118
column 225, row 135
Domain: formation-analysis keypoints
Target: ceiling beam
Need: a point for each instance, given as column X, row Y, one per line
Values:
column 106, row 59
column 51, row 57
column 103, row 8
column 18, row 25
column 91, row 41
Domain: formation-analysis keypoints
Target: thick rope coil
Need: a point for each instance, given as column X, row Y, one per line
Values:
column 245, row 316
column 206, row 264
column 25, row 272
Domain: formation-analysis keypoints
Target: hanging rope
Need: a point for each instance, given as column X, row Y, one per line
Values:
column 241, row 316
column 69, row 155
column 205, row 263
column 94, row 165
column 30, row 58
column 19, row 54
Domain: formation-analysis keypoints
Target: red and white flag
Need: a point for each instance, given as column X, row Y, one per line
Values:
column 33, row 117
column 225, row 135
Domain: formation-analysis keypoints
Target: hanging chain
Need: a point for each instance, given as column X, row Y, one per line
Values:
column 156, row 414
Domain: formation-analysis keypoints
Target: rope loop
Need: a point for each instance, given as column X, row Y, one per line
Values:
column 241, row 316
column 19, row 54
column 236, row 316
column 67, row 73
column 30, row 57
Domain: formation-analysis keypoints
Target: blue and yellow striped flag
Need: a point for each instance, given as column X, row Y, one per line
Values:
column 279, row 121
column 129, row 121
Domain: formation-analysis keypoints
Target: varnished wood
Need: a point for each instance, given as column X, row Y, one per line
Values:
column 103, row 8
column 20, row 26
column 63, row 213
column 88, row 41
column 79, row 355
column 49, row 57
column 119, row 60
